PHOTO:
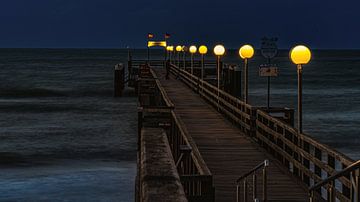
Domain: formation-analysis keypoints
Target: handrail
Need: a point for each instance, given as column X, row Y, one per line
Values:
column 164, row 95
column 256, row 168
column 341, row 173
column 305, row 157
column 244, row 177
column 190, row 164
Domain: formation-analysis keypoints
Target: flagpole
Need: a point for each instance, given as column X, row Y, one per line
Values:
column 165, row 53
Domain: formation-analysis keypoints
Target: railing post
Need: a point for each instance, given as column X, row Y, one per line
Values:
column 311, row 199
column 245, row 190
column 237, row 193
column 357, row 185
column 265, row 181
column 254, row 187
column 331, row 192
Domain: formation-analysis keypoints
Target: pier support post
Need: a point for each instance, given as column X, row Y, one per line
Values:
column 119, row 80
column 235, row 81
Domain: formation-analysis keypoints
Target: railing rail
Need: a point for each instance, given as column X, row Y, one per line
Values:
column 306, row 158
column 195, row 176
column 244, row 179
column 238, row 111
column 302, row 155
column 353, row 171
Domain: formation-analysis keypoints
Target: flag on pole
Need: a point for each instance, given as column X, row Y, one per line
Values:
column 167, row 36
column 150, row 35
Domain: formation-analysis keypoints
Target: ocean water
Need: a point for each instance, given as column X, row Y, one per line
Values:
column 63, row 137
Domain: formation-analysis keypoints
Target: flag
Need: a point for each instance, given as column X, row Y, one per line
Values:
column 150, row 35
column 167, row 36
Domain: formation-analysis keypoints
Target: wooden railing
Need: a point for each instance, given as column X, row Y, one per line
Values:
column 353, row 171
column 236, row 110
column 156, row 110
column 304, row 157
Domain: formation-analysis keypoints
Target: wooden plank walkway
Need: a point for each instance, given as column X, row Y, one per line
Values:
column 227, row 152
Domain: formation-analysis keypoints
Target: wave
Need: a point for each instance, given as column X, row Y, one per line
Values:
column 46, row 92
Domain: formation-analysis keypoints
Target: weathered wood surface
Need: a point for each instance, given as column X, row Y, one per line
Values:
column 227, row 152
column 158, row 176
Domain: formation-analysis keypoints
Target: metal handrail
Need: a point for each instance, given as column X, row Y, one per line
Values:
column 261, row 165
column 342, row 173
column 244, row 177
column 355, row 181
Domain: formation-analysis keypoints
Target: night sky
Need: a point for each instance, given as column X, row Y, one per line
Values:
column 321, row 24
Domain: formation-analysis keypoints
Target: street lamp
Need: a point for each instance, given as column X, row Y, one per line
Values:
column 300, row 55
column 246, row 52
column 192, row 50
column 202, row 50
column 178, row 50
column 219, row 50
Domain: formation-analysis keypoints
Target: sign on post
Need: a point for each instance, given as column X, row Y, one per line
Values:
column 268, row 71
column 268, row 47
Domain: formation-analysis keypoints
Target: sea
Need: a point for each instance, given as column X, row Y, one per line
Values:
column 64, row 137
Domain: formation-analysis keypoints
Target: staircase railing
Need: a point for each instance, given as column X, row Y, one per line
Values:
column 244, row 180
column 352, row 171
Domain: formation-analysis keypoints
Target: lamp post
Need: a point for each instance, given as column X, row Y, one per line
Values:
column 192, row 51
column 202, row 50
column 178, row 50
column 300, row 55
column 246, row 52
column 184, row 49
column 170, row 49
column 219, row 50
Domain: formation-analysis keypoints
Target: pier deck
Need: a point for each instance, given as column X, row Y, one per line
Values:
column 226, row 150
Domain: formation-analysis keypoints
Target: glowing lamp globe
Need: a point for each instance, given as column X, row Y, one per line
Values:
column 246, row 52
column 192, row 49
column 300, row 55
column 170, row 48
column 178, row 48
column 203, row 50
column 219, row 50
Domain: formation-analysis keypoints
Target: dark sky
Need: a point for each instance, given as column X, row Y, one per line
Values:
column 120, row 23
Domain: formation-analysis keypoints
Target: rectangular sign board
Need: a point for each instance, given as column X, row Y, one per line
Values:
column 268, row 71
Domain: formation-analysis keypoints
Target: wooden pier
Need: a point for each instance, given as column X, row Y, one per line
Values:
column 226, row 150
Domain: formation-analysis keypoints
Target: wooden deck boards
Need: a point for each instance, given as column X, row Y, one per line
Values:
column 227, row 152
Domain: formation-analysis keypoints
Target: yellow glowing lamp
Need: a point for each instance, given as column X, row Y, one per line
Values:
column 192, row 49
column 170, row 48
column 300, row 55
column 246, row 52
column 219, row 50
column 156, row 43
column 178, row 48
column 203, row 50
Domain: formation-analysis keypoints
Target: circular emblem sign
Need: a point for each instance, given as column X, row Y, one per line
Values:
column 268, row 47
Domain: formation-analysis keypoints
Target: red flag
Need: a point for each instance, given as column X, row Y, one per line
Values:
column 150, row 35
column 167, row 36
